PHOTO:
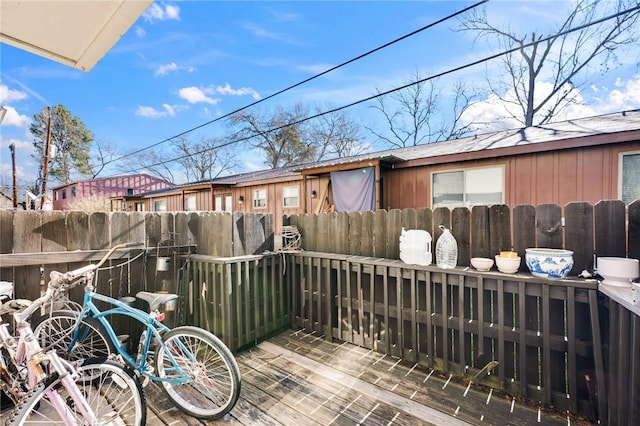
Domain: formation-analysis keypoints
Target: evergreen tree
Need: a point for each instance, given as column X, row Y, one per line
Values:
column 70, row 142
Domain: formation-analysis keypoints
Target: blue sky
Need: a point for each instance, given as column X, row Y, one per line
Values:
column 185, row 63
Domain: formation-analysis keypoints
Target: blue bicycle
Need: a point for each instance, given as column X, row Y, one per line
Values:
column 195, row 368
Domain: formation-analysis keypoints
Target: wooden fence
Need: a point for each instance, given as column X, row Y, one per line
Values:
column 61, row 241
column 605, row 229
column 544, row 335
column 243, row 300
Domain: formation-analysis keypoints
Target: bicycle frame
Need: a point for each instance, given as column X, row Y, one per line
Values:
column 153, row 332
column 27, row 351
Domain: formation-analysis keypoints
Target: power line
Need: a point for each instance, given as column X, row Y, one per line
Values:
column 439, row 21
column 434, row 76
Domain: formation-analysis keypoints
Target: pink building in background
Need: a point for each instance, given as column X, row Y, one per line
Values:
column 66, row 195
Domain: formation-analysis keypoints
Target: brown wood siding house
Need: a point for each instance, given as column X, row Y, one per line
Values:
column 577, row 160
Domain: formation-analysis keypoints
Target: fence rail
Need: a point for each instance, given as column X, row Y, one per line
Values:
column 543, row 334
column 607, row 228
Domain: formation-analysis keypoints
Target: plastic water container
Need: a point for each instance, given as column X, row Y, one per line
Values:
column 446, row 250
column 415, row 247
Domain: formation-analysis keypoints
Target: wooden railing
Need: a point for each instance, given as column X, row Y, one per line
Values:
column 243, row 300
column 544, row 335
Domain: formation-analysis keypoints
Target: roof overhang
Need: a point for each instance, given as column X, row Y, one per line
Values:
column 337, row 165
column 75, row 33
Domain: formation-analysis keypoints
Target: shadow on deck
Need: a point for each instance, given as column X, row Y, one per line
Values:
column 299, row 378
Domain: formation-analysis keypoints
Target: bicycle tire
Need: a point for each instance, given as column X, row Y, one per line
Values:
column 215, row 382
column 55, row 332
column 112, row 390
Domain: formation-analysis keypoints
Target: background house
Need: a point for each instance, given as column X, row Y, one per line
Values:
column 589, row 160
column 65, row 196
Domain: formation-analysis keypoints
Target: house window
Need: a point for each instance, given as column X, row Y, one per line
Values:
column 55, row 195
column 64, row 194
column 260, row 198
column 228, row 203
column 290, row 196
column 468, row 188
column 73, row 192
column 129, row 191
column 629, row 177
column 139, row 207
column 160, row 206
column 224, row 203
column 190, row 203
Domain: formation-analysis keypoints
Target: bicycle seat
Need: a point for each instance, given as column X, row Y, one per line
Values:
column 155, row 299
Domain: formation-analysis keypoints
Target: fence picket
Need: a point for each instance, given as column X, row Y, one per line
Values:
column 461, row 230
column 578, row 234
column 500, row 228
column 610, row 228
column 633, row 239
column 548, row 226
column 524, row 228
column 480, row 243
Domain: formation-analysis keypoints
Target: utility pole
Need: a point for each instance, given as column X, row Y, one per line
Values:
column 12, row 148
column 45, row 169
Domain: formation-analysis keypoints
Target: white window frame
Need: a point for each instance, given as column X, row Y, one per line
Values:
column 465, row 184
column 228, row 203
column 260, row 199
column 190, row 203
column 621, row 176
column 291, row 194
column 159, row 205
column 218, row 203
column 139, row 206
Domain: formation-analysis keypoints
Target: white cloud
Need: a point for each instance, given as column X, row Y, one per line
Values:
column 150, row 112
column 140, row 32
column 195, row 95
column 10, row 95
column 228, row 90
column 169, row 109
column 315, row 68
column 161, row 12
column 171, row 67
column 13, row 118
column 499, row 113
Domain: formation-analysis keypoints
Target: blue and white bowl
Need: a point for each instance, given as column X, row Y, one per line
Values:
column 549, row 263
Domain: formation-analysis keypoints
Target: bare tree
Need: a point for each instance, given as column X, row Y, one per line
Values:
column 203, row 160
column 334, row 135
column 102, row 154
column 184, row 160
column 564, row 60
column 157, row 162
column 415, row 115
column 278, row 135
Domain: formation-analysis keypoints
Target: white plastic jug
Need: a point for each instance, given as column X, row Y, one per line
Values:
column 415, row 247
column 446, row 250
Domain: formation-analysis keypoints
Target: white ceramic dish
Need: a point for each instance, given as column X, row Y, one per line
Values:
column 482, row 264
column 508, row 265
column 618, row 271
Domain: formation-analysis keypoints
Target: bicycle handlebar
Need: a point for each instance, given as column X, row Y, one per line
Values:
column 57, row 279
column 71, row 276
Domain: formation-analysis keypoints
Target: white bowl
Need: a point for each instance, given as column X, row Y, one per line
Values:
column 507, row 265
column 618, row 271
column 549, row 263
column 482, row 263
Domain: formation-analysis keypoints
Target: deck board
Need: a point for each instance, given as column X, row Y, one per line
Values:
column 300, row 378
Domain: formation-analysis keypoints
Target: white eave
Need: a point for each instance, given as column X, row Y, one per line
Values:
column 75, row 33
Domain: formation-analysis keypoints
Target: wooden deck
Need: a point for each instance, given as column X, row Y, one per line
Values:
column 299, row 378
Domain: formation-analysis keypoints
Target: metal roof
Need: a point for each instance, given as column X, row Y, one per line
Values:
column 525, row 137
